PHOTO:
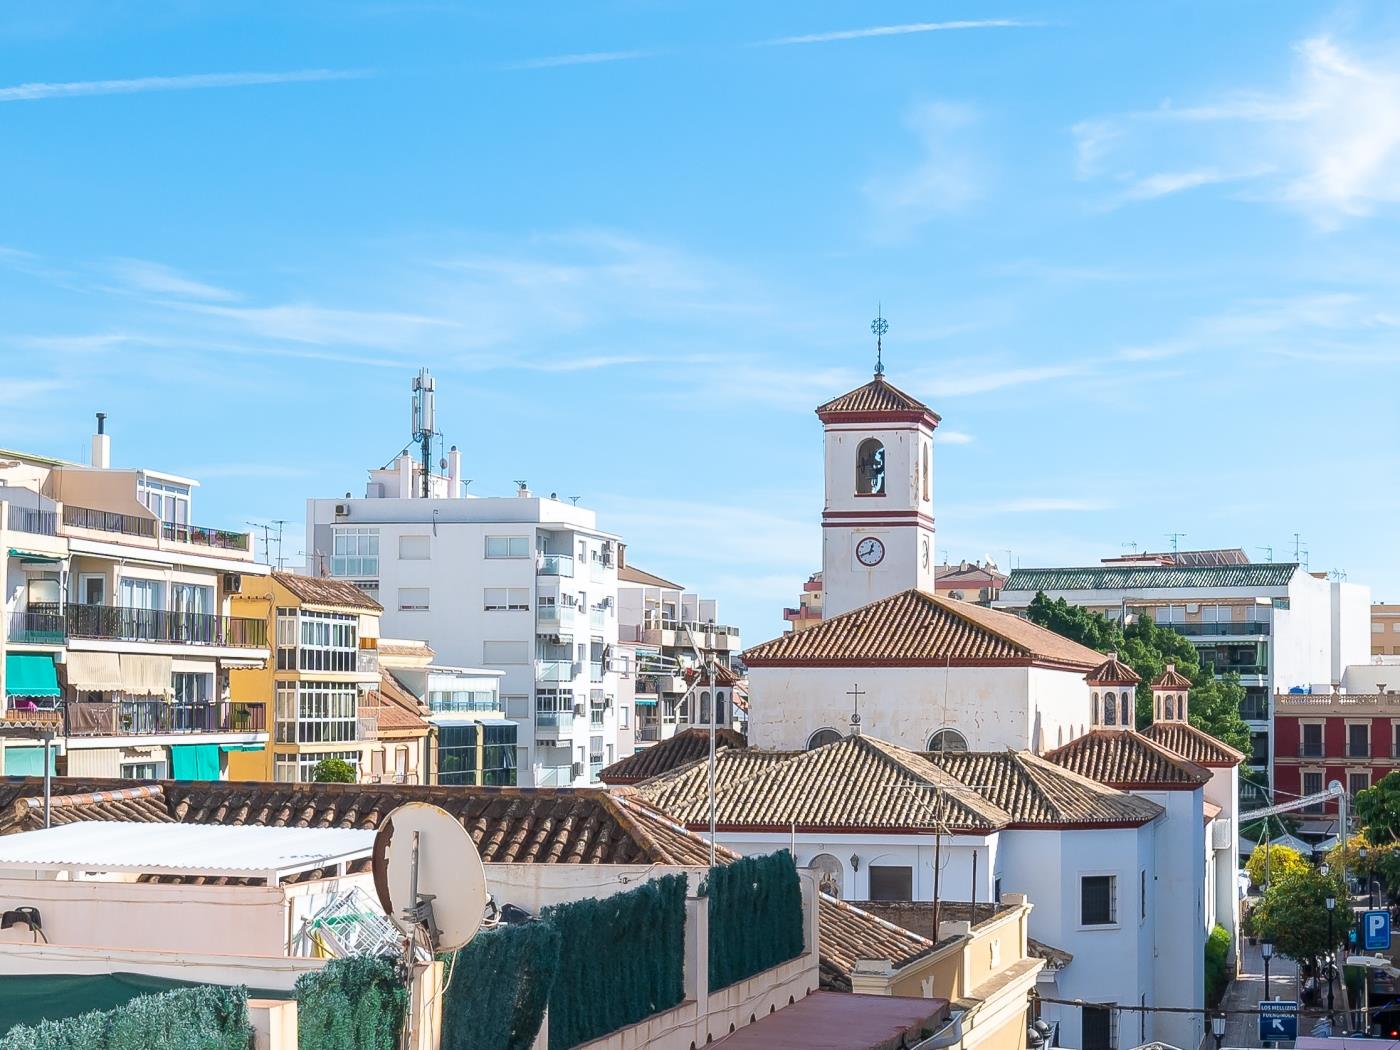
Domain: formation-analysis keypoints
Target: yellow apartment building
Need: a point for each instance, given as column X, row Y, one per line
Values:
column 1385, row 629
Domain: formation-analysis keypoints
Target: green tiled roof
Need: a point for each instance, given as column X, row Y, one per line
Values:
column 1258, row 575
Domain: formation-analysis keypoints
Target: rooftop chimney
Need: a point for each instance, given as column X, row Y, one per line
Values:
column 101, row 444
column 454, row 473
column 523, row 491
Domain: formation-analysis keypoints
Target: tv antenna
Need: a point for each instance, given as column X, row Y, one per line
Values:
column 1175, row 537
column 425, row 420
column 1131, row 545
column 1268, row 552
column 431, row 883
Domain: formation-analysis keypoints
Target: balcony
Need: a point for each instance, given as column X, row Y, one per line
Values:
column 464, row 704
column 554, row 724
column 555, row 670
column 1220, row 630
column 1310, row 749
column 1254, row 709
column 123, row 624
column 38, row 625
column 554, row 565
column 554, row 776
column 36, row 522
column 1242, row 670
column 108, row 521
column 367, row 661
column 595, row 671
column 202, row 536
column 648, row 734
column 647, row 685
column 1358, row 751
column 162, row 718
column 554, row 619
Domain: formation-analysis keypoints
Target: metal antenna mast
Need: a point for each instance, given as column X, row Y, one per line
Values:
column 425, row 421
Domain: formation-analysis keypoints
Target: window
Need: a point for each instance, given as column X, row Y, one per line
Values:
column 141, row 594
column 1357, row 781
column 1394, row 739
column 413, row 599
column 1312, row 740
column 1358, row 739
column 828, row 872
column 927, row 457
column 462, row 700
column 507, row 599
column 316, row 712
column 92, row 589
column 291, row 769
column 1312, row 784
column 1098, row 1028
column 1097, row 903
column 143, row 771
column 1170, row 707
column 505, row 652
column 498, row 763
column 1110, row 709
column 947, row 740
column 310, row 641
column 870, row 468
column 624, row 717
column 1142, row 894
column 890, row 883
column 191, row 688
column 355, row 552
column 457, row 754
column 190, row 598
column 507, row 546
column 516, row 706
column 168, row 501
column 414, row 548
column 822, row 737
column 1379, row 628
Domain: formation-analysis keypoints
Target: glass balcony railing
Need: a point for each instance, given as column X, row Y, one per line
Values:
column 1220, row 630
column 562, row 721
column 555, row 670
column 554, row 618
column 554, row 565
column 204, row 537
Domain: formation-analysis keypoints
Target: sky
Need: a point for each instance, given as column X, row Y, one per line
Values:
column 1140, row 257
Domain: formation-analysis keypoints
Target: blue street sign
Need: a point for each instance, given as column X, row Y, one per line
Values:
column 1375, row 926
column 1278, row 1021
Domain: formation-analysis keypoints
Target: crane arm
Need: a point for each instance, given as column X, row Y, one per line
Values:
column 1333, row 790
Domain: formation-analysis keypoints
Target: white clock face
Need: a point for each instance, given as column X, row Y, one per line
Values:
column 870, row 551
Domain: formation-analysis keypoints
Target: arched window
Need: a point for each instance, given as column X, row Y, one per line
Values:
column 828, row 870
column 1171, row 708
column 1128, row 708
column 821, row 738
column 870, row 468
column 1110, row 709
column 705, row 708
column 927, row 457
column 947, row 740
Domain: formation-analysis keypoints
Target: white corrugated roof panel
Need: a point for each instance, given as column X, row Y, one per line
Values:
column 183, row 849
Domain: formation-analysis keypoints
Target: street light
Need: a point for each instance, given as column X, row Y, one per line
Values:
column 1217, row 1028
column 1266, row 949
column 1331, row 949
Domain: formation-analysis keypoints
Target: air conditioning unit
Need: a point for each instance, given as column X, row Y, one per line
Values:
column 233, row 583
column 577, row 768
column 580, row 710
column 342, row 510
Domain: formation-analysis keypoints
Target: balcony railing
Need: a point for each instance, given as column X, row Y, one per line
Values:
column 161, row 718
column 122, row 623
column 562, row 721
column 108, row 521
column 203, row 536
column 648, row 733
column 1309, row 749
column 552, row 618
column 595, row 671
column 38, row 625
column 1239, row 669
column 1220, row 630
column 444, row 705
column 555, row 564
column 1252, row 711
column 555, row 670
column 1358, row 750
column 38, row 522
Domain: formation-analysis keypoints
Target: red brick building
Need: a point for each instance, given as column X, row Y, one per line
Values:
column 1350, row 737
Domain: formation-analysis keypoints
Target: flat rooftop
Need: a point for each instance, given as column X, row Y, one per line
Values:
column 182, row 849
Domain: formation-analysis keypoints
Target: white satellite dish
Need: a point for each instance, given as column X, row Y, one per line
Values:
column 429, row 876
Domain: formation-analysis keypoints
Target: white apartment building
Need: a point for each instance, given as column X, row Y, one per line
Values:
column 525, row 585
column 1275, row 624
column 117, row 639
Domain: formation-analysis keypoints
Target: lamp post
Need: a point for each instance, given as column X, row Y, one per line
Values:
column 1217, row 1028
column 1331, row 949
column 1266, row 949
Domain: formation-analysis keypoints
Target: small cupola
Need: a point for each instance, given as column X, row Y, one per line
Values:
column 1112, row 690
column 1170, row 691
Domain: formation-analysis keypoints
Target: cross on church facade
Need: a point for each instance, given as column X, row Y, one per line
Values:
column 855, row 693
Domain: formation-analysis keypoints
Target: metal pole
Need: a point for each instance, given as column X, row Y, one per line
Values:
column 1331, row 968
column 48, row 782
column 937, row 866
column 974, row 889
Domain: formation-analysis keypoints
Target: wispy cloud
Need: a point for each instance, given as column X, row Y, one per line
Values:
column 25, row 391
column 999, row 379
column 1166, row 183
column 159, row 279
column 954, row 437
column 585, row 58
column 898, row 30
column 945, row 177
column 74, row 88
column 1049, row 505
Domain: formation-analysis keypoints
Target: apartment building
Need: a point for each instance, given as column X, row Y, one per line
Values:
column 118, row 633
column 525, row 585
column 1274, row 624
column 1385, row 629
column 967, row 581
column 670, row 634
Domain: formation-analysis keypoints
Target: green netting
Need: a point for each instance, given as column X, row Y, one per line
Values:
column 755, row 916
column 350, row 1004
column 498, row 987
column 621, row 959
column 207, row 1017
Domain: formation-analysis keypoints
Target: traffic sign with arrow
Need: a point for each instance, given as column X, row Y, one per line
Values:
column 1278, row 1021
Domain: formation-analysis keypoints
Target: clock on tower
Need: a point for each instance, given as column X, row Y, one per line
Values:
column 877, row 521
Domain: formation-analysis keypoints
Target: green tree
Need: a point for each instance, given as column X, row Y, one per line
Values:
column 334, row 771
column 1281, row 862
column 1147, row 648
column 1378, row 811
column 1293, row 913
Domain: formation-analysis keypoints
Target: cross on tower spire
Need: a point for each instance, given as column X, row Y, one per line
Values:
column 879, row 327
column 855, row 693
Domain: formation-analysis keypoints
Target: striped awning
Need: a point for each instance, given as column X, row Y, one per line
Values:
column 30, row 674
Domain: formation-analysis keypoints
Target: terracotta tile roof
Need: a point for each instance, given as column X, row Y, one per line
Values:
column 1171, row 678
column 632, row 574
column 1126, row 759
column 723, row 675
column 393, row 706
column 144, row 804
column 849, row 933
column 1055, row 958
column 1038, row 793
column 405, row 647
column 879, row 396
column 1209, row 811
column 321, row 590
column 1194, row 744
column 918, row 916
column 1113, row 672
column 856, row 783
column 1256, row 575
column 918, row 628
column 685, row 747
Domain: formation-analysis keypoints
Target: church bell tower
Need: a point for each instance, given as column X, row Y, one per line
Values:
column 877, row 521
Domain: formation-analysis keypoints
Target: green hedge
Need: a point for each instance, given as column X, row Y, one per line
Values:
column 498, row 987
column 1217, row 964
column 621, row 959
column 755, row 917
column 350, row 1004
column 208, row 1017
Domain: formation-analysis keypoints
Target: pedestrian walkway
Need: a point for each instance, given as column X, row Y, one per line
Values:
column 1247, row 989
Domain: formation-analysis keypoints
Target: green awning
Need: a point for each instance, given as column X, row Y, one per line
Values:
column 194, row 761
column 30, row 674
column 644, row 700
column 242, row 747
column 34, row 557
column 28, row 761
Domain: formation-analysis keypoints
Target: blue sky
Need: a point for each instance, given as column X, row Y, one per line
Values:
column 1141, row 257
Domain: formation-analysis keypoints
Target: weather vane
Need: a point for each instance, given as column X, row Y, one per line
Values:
column 879, row 327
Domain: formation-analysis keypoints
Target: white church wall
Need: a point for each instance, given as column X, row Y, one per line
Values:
column 1059, row 706
column 1177, row 883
